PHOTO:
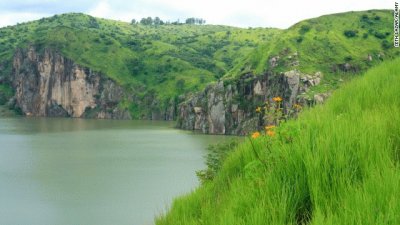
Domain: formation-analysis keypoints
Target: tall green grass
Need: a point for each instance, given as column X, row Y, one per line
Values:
column 338, row 163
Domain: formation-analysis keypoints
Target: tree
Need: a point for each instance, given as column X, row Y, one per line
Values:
column 133, row 21
column 146, row 21
column 176, row 22
column 200, row 21
column 93, row 23
column 150, row 21
column 350, row 33
column 158, row 21
column 195, row 21
column 190, row 21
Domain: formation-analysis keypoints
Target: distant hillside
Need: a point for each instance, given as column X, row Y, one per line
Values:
column 167, row 59
column 336, row 45
column 155, row 64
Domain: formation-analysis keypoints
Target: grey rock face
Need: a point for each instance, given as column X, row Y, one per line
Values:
column 292, row 79
column 229, row 108
column 48, row 84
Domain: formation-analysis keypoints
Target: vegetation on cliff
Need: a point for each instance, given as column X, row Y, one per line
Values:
column 158, row 63
column 338, row 163
column 163, row 61
column 324, row 44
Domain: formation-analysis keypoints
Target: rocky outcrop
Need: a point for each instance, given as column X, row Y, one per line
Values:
column 49, row 84
column 228, row 107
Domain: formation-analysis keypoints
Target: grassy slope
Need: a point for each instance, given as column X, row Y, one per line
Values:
column 321, row 44
column 341, row 167
column 146, row 58
column 170, row 60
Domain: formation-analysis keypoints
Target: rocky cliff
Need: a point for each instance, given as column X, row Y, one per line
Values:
column 48, row 84
column 228, row 107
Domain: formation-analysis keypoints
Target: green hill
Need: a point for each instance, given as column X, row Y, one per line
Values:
column 166, row 61
column 320, row 42
column 338, row 163
column 338, row 45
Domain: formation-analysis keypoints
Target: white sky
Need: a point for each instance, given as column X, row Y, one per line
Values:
column 248, row 13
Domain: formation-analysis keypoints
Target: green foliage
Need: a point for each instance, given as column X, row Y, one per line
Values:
column 216, row 156
column 180, row 85
column 143, row 57
column 146, row 21
column 5, row 93
column 299, row 39
column 348, row 58
column 350, row 33
column 304, row 28
column 139, row 57
column 321, row 45
column 380, row 35
column 386, row 44
column 193, row 20
column 341, row 165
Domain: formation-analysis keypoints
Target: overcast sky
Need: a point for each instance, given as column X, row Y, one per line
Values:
column 243, row 13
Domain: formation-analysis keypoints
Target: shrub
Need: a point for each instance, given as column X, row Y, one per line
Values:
column 386, row 44
column 380, row 35
column 108, row 42
column 350, row 33
column 364, row 17
column 216, row 156
column 299, row 39
column 348, row 58
column 304, row 29
column 93, row 23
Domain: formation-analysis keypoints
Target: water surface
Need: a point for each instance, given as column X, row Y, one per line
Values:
column 84, row 172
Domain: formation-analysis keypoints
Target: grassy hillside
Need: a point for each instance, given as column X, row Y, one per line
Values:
column 166, row 61
column 321, row 42
column 327, row 43
column 338, row 163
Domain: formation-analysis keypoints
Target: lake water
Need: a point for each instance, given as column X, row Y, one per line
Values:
column 94, row 172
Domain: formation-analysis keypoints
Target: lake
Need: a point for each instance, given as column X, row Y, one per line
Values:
column 84, row 172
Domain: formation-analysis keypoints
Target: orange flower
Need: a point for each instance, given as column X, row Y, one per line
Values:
column 258, row 109
column 277, row 99
column 255, row 135
column 270, row 133
column 269, row 127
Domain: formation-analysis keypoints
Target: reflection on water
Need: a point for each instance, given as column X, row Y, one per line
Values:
column 74, row 171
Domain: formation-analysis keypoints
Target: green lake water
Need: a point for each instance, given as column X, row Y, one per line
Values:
column 94, row 172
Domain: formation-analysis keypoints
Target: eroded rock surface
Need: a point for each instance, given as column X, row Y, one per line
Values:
column 49, row 84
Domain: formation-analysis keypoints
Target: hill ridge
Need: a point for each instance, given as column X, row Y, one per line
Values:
column 157, row 65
